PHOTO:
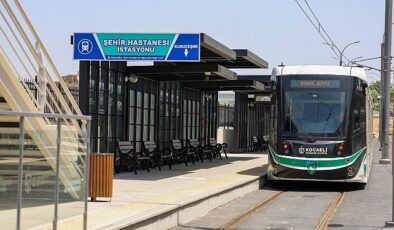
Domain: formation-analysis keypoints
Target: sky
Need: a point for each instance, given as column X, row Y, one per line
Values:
column 275, row 30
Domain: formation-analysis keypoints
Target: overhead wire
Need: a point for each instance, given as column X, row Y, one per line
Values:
column 320, row 29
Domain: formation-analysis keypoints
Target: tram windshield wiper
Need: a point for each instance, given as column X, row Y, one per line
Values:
column 308, row 137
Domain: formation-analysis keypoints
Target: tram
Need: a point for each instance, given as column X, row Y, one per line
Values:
column 320, row 124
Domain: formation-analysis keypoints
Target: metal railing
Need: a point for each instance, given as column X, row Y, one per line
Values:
column 35, row 168
column 27, row 59
column 226, row 116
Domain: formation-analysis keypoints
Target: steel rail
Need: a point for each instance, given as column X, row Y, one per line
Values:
column 330, row 212
column 234, row 223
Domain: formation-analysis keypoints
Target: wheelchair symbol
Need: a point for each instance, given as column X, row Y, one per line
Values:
column 85, row 46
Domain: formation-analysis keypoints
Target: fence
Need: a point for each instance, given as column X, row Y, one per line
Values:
column 43, row 169
column 226, row 117
column 33, row 89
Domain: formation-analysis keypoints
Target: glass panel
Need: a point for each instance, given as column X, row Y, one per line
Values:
column 103, row 76
column 161, row 95
column 139, row 99
column 92, row 101
column 167, row 123
column 138, row 133
column 72, row 186
column 146, row 100
column 131, row 133
column 152, row 101
column 146, row 116
column 319, row 113
column 111, row 122
column 101, row 102
column 102, row 126
column 93, row 76
column 145, row 136
column 152, row 133
column 131, row 98
column 167, row 112
column 119, row 128
column 139, row 116
column 111, row 104
column 111, row 83
column 131, row 116
column 9, row 180
column 172, row 96
column 152, row 117
column 172, row 110
column 119, row 89
column 119, row 104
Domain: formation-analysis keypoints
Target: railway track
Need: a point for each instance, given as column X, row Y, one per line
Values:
column 322, row 224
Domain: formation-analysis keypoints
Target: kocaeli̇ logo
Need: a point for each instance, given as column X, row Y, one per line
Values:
column 301, row 150
column 85, row 46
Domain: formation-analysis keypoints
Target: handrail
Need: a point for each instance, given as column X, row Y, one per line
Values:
column 65, row 105
column 48, row 115
column 57, row 99
column 23, row 13
column 83, row 175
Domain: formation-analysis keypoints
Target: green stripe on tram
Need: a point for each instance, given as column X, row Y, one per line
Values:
column 322, row 163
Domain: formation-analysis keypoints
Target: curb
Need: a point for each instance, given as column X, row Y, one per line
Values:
column 192, row 208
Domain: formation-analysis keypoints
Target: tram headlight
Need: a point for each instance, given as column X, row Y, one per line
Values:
column 286, row 148
column 340, row 148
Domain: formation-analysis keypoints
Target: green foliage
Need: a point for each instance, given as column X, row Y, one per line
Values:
column 374, row 89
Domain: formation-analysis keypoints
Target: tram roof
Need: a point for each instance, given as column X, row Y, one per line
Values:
column 234, row 85
column 320, row 70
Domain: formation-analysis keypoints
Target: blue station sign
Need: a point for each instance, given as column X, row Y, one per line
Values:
column 137, row 47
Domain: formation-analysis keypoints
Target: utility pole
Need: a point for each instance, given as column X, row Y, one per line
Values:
column 386, row 84
column 386, row 106
column 380, row 98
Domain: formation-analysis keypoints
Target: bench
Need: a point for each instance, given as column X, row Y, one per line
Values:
column 156, row 156
column 217, row 148
column 260, row 145
column 129, row 158
column 184, row 153
column 256, row 144
column 126, row 157
column 195, row 145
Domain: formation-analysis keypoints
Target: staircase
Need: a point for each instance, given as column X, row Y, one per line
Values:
column 24, row 57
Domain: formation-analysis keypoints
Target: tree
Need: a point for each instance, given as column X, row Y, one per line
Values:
column 374, row 89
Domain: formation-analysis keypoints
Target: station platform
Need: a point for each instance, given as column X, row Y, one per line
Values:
column 164, row 199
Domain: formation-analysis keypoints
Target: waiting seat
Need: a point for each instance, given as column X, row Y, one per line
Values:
column 129, row 159
column 156, row 156
column 195, row 145
column 185, row 153
column 217, row 148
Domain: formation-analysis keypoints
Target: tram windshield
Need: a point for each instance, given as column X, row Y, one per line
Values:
column 314, row 111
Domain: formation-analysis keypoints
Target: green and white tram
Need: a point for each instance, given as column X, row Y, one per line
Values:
column 320, row 125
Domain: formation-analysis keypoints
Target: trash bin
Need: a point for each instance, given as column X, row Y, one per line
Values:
column 101, row 175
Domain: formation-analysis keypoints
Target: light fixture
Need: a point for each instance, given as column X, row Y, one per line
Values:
column 207, row 74
column 131, row 78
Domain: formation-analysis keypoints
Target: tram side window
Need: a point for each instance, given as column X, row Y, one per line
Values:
column 359, row 112
column 273, row 116
column 356, row 118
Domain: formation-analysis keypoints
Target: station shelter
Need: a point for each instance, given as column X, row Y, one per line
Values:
column 173, row 100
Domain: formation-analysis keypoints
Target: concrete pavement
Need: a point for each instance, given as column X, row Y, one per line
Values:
column 162, row 200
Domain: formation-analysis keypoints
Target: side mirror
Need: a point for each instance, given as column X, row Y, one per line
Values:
column 364, row 86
